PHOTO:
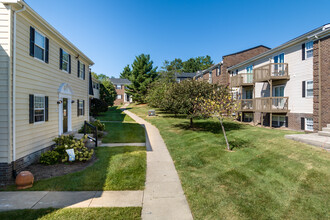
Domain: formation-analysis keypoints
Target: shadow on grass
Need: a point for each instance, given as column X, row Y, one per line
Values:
column 210, row 126
column 238, row 143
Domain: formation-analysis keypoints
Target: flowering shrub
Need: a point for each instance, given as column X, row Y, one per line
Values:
column 64, row 143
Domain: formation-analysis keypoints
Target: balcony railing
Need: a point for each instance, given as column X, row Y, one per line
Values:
column 271, row 71
column 271, row 104
column 246, row 104
column 241, row 79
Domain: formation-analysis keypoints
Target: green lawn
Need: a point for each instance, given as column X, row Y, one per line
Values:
column 114, row 114
column 124, row 133
column 74, row 213
column 266, row 177
column 117, row 168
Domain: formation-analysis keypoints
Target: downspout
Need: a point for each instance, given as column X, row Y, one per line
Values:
column 14, row 92
column 320, row 87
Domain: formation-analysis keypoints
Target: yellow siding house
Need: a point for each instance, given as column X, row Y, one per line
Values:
column 44, row 86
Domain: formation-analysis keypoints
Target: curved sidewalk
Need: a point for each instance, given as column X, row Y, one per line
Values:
column 163, row 195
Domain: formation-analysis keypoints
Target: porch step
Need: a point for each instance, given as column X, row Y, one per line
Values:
column 324, row 133
column 326, row 129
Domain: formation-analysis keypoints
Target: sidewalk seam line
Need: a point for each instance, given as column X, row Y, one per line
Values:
column 39, row 200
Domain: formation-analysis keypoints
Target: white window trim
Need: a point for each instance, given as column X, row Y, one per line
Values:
column 68, row 62
column 121, row 97
column 34, row 108
column 118, row 85
column 307, row 50
column 44, row 49
column 277, row 55
column 306, row 127
column 81, row 70
column 306, row 83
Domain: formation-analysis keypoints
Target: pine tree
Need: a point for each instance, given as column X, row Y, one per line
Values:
column 126, row 74
column 143, row 74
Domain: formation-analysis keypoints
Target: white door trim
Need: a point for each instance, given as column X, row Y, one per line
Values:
column 65, row 91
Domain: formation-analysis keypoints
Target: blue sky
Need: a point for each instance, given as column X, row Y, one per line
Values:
column 113, row 32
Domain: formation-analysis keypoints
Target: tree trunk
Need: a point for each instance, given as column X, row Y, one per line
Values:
column 191, row 123
column 224, row 133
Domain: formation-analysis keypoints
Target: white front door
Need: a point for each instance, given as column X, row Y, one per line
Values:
column 64, row 108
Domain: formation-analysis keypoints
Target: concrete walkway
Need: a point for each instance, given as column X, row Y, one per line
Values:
column 312, row 139
column 69, row 199
column 163, row 195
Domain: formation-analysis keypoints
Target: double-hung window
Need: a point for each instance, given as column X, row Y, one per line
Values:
column 39, row 45
column 81, row 70
column 118, row 86
column 65, row 61
column 309, row 49
column 39, row 108
column 309, row 88
column 81, row 107
column 309, row 124
column 119, row 97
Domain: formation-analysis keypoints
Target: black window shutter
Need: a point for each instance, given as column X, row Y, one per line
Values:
column 303, row 51
column 302, row 123
column 83, row 107
column 77, row 107
column 303, row 88
column 286, row 121
column 47, row 51
column 84, row 72
column 69, row 63
column 78, row 68
column 46, row 108
column 31, row 109
column 31, row 41
column 61, row 58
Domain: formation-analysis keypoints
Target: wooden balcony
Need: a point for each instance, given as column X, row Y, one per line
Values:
column 271, row 71
column 243, row 79
column 246, row 104
column 271, row 104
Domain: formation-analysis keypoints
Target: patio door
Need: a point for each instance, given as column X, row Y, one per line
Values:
column 278, row 92
column 65, row 115
column 279, row 68
column 249, row 71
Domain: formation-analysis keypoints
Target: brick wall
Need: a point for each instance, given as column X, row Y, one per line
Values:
column 120, row 92
column 295, row 120
column 6, row 170
column 325, row 85
column 234, row 59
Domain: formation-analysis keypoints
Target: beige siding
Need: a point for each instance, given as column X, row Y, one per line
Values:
column 4, row 83
column 37, row 77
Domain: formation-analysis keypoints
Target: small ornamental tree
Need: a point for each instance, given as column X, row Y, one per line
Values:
column 219, row 104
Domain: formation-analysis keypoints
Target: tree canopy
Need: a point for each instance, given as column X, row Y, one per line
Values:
column 126, row 74
column 189, row 66
column 143, row 74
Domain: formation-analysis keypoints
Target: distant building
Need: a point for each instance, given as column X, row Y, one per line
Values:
column 184, row 76
column 120, row 86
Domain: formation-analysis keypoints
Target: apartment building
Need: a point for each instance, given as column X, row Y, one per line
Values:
column 288, row 85
column 44, row 88
column 122, row 96
column 218, row 73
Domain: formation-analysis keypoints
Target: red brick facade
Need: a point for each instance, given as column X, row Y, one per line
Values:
column 233, row 59
column 321, row 68
column 230, row 60
column 120, row 92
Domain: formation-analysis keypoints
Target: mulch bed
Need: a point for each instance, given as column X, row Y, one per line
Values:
column 41, row 171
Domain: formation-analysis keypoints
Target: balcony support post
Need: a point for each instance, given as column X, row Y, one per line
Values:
column 262, row 119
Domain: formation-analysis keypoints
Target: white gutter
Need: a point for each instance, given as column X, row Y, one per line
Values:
column 14, row 87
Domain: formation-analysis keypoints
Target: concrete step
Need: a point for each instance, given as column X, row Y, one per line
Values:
column 324, row 133
column 326, row 129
